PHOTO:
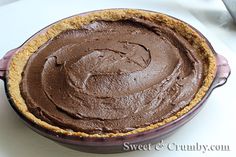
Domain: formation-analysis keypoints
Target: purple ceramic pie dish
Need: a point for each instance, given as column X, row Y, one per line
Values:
column 115, row 144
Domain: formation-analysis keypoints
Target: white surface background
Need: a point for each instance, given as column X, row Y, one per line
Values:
column 215, row 124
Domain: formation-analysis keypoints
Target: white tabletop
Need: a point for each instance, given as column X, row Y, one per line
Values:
column 214, row 125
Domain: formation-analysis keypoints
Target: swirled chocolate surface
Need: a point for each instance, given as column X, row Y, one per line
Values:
column 111, row 76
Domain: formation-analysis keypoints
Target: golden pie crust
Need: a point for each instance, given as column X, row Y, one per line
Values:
column 20, row 59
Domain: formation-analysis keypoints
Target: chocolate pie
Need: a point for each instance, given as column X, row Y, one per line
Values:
column 111, row 73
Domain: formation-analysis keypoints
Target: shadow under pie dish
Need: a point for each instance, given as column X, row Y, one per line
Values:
column 96, row 80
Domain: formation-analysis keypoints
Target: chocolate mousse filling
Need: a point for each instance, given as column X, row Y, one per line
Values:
column 111, row 76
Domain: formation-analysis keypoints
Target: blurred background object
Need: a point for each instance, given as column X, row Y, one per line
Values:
column 231, row 6
column 3, row 2
column 215, row 17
